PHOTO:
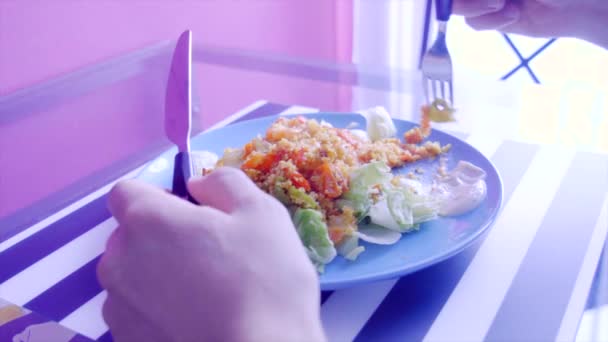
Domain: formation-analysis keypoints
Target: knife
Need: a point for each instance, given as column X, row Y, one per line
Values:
column 178, row 112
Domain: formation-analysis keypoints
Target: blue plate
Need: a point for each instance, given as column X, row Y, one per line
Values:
column 435, row 241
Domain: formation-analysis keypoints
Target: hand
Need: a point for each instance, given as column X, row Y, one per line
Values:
column 585, row 19
column 233, row 269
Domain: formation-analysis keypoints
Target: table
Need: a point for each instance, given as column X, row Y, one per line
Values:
column 65, row 142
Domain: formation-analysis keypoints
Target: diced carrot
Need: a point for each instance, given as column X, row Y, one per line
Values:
column 425, row 121
column 328, row 181
column 336, row 233
column 274, row 135
column 417, row 134
column 262, row 162
column 249, row 147
column 269, row 161
column 299, row 181
column 253, row 161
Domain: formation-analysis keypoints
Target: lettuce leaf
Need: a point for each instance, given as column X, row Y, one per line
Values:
column 362, row 180
column 313, row 234
column 378, row 235
column 300, row 198
column 403, row 206
column 423, row 205
column 349, row 248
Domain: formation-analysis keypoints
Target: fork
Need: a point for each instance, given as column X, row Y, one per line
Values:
column 437, row 63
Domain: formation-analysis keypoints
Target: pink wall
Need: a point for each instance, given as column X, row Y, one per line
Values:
column 43, row 38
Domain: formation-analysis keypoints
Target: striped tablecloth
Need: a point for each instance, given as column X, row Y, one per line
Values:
column 527, row 279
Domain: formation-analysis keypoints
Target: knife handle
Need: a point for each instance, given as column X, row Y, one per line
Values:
column 182, row 172
column 443, row 9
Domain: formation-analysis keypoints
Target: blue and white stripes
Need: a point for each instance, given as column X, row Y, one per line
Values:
column 526, row 279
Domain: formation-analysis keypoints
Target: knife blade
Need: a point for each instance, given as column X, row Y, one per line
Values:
column 178, row 112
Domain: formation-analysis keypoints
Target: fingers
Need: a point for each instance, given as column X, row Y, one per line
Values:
column 226, row 189
column 127, row 324
column 144, row 209
column 475, row 8
column 107, row 272
column 125, row 193
column 508, row 15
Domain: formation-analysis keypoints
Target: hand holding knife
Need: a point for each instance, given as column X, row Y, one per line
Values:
column 178, row 113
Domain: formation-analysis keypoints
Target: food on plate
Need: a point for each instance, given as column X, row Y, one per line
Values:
column 461, row 189
column 339, row 186
column 379, row 123
column 440, row 111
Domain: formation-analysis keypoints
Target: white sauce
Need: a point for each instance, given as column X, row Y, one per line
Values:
column 461, row 190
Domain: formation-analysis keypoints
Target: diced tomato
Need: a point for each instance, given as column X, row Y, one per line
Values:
column 305, row 164
column 328, row 181
column 365, row 157
column 299, row 181
column 299, row 158
column 413, row 136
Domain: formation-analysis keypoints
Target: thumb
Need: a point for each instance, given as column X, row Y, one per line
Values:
column 226, row 189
